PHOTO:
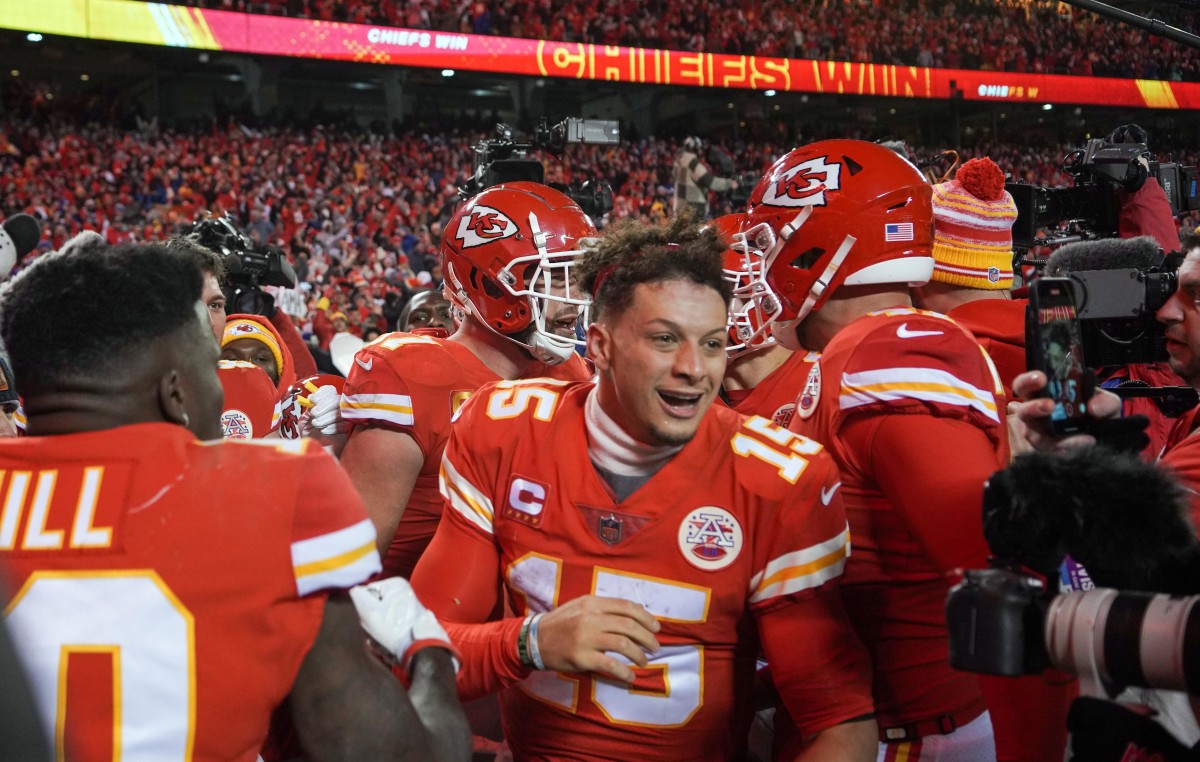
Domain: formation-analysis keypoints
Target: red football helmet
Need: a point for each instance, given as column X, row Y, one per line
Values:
column 754, row 307
column 506, row 258
column 840, row 212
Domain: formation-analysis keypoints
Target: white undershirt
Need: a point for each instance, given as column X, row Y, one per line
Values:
column 624, row 462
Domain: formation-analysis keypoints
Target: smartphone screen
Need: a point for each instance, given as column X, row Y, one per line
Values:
column 1059, row 352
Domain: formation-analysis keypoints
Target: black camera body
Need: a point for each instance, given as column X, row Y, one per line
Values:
column 1091, row 208
column 503, row 160
column 1117, row 309
column 247, row 267
column 995, row 618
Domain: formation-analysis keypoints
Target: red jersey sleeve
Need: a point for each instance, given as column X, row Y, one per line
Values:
column 922, row 363
column 828, row 681
column 375, row 393
column 332, row 539
column 458, row 577
column 807, row 543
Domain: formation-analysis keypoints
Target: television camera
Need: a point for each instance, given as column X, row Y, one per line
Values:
column 248, row 267
column 504, row 159
column 1090, row 209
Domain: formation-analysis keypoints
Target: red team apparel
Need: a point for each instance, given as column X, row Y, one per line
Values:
column 415, row 384
column 1182, row 455
column 741, row 530
column 775, row 396
column 917, row 365
column 999, row 327
column 164, row 595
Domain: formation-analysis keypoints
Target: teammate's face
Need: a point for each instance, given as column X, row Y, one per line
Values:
column 561, row 317
column 662, row 360
column 203, row 395
column 1181, row 316
column 429, row 309
column 252, row 351
column 214, row 305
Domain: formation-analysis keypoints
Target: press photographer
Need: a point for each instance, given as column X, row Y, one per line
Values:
column 694, row 180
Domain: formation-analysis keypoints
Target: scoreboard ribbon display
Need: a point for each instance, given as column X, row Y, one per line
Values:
column 204, row 29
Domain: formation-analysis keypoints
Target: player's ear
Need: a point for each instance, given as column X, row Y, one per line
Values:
column 172, row 397
column 599, row 346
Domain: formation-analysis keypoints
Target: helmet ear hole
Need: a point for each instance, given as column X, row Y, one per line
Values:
column 491, row 288
column 808, row 259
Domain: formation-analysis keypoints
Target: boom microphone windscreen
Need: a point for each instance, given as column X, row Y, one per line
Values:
column 1139, row 253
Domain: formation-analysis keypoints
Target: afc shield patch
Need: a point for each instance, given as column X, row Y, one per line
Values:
column 710, row 538
column 810, row 397
column 236, row 425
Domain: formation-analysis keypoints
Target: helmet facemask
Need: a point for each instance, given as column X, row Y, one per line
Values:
column 559, row 309
column 754, row 307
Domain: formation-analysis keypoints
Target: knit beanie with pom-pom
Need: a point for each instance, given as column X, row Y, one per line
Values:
column 973, row 217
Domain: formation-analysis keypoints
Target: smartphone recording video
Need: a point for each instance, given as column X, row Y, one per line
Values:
column 1053, row 345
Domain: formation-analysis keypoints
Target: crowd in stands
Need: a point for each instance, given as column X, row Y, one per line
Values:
column 1000, row 35
column 347, row 206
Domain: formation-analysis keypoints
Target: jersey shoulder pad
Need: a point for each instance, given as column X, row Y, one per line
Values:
column 769, row 460
column 904, row 356
column 534, row 399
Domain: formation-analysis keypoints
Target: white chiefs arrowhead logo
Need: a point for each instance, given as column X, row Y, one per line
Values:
column 483, row 224
column 804, row 184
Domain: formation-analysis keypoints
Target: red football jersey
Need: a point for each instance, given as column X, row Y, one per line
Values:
column 910, row 363
column 164, row 591
column 999, row 327
column 775, row 397
column 415, row 384
column 743, row 522
column 251, row 408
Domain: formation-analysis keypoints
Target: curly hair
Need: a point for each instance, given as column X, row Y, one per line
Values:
column 78, row 315
column 633, row 252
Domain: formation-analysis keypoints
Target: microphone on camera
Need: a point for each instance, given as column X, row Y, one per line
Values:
column 1125, row 520
column 1139, row 253
column 18, row 236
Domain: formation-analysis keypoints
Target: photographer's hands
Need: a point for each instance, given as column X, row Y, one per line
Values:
column 1028, row 420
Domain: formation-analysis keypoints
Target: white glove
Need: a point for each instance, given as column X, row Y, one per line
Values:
column 391, row 614
column 325, row 415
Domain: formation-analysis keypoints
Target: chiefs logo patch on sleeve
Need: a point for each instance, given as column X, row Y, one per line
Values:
column 483, row 224
column 804, row 184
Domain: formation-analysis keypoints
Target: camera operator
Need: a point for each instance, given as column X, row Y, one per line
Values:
column 242, row 287
column 1144, row 209
column 1181, row 317
column 694, row 180
column 1091, row 262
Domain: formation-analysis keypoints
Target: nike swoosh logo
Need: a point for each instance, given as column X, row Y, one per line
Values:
column 827, row 493
column 365, row 365
column 904, row 333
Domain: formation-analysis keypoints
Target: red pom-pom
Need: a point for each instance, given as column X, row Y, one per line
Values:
column 982, row 178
